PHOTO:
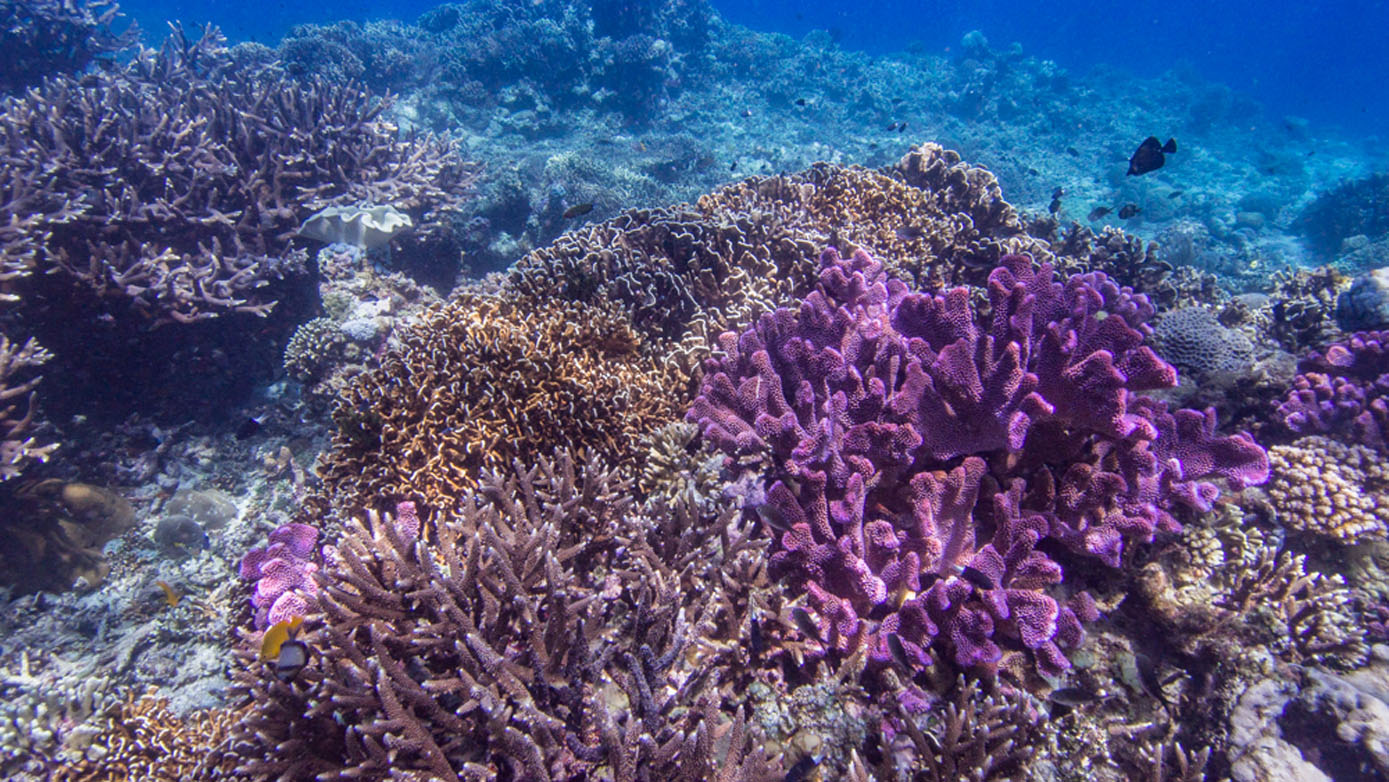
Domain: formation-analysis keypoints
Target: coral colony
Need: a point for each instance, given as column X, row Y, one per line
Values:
column 356, row 424
column 882, row 411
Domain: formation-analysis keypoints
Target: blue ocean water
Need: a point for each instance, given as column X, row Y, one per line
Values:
column 1325, row 61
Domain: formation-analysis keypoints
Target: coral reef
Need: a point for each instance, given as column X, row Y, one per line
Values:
column 44, row 37
column 867, row 396
column 547, row 630
column 142, row 738
column 1194, row 340
column 54, row 531
column 1329, row 488
column 18, row 448
column 1303, row 307
column 1341, row 391
column 213, row 178
column 1352, row 208
column 487, row 379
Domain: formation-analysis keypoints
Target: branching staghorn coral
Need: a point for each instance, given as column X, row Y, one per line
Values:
column 17, row 383
column 44, row 37
column 179, row 179
column 975, row 736
column 546, row 631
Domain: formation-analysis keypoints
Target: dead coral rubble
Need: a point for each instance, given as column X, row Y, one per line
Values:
column 547, row 631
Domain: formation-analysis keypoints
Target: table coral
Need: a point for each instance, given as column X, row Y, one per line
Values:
column 911, row 437
column 1329, row 488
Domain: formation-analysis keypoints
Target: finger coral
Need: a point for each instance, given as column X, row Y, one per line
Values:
column 546, row 630
column 911, row 437
column 487, row 379
column 1330, row 488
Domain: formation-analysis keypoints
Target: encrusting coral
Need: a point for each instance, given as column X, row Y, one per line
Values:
column 1329, row 488
column 546, row 630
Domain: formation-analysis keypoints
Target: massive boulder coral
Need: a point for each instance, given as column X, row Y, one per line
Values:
column 546, row 631
column 910, row 437
column 176, row 182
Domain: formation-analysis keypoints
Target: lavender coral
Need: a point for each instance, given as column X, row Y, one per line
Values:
column 1343, row 390
column 912, row 438
column 176, row 182
column 284, row 574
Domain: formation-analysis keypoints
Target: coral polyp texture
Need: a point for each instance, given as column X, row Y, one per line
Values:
column 176, row 182
column 1330, row 488
column 547, row 630
column 487, row 379
column 1343, row 391
column 911, row 438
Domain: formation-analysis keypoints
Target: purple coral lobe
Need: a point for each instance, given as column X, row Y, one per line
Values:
column 884, row 411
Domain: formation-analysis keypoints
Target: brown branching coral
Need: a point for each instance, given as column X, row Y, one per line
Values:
column 143, row 739
column 547, row 631
column 975, row 736
column 487, row 379
column 18, row 448
column 1306, row 614
column 178, row 180
column 1329, row 488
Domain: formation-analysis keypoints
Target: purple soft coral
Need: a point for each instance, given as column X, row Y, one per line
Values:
column 922, row 452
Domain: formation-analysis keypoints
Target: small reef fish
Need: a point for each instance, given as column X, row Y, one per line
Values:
column 279, row 646
column 902, row 128
column 1072, row 696
column 1098, row 212
column 892, row 127
column 171, row 595
column 800, row 101
column 1072, row 151
column 909, row 232
column 275, row 637
column 1150, row 155
column 248, row 428
column 1054, row 206
column 801, row 771
column 898, row 652
column 976, row 578
column 578, row 210
column 804, row 623
column 1057, row 193
column 294, row 655
column 1128, row 210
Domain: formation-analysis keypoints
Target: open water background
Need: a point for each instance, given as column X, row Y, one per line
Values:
column 1325, row 61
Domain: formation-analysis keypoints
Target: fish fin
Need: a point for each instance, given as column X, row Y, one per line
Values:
column 1170, row 146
